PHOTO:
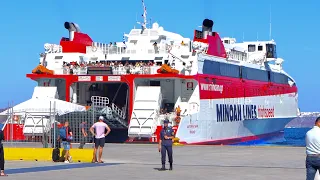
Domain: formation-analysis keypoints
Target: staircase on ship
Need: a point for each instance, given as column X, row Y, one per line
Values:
column 113, row 116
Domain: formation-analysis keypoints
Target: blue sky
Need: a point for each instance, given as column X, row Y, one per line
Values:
column 27, row 25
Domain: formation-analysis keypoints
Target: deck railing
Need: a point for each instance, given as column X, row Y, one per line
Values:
column 121, row 70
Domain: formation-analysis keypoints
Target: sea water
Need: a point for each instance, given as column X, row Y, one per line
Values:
column 290, row 137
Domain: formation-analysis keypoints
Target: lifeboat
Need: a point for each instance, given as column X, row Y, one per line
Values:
column 165, row 69
column 41, row 70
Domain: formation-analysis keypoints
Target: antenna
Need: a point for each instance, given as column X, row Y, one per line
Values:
column 144, row 15
column 270, row 31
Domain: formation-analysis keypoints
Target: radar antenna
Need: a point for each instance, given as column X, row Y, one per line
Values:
column 144, row 15
column 270, row 25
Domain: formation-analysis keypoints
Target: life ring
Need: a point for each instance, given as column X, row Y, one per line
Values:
column 94, row 48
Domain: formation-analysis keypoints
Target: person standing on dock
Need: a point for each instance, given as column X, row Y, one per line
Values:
column 313, row 150
column 2, row 154
column 99, row 138
column 165, row 144
column 83, row 129
column 65, row 135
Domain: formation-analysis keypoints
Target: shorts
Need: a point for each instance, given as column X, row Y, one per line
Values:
column 66, row 145
column 99, row 142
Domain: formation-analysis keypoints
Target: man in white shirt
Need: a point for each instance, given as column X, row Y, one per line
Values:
column 313, row 150
column 99, row 137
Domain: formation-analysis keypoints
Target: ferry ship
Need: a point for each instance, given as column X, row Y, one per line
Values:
column 226, row 92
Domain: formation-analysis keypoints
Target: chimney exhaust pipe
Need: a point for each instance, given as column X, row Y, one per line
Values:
column 207, row 25
column 71, row 27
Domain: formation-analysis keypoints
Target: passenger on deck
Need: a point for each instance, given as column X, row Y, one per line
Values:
column 156, row 48
column 165, row 111
column 178, row 110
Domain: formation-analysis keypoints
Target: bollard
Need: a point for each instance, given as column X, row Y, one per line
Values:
column 176, row 142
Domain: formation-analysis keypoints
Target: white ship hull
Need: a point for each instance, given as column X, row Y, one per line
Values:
column 206, row 126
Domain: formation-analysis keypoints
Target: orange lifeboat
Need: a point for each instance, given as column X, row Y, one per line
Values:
column 167, row 69
column 41, row 70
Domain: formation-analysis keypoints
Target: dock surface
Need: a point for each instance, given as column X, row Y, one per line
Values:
column 135, row 161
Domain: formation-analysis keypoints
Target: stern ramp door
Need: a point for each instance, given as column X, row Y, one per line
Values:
column 144, row 118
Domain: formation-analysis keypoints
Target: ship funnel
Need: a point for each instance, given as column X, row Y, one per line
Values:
column 71, row 27
column 207, row 25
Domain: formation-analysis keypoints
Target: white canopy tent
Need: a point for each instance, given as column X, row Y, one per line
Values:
column 44, row 106
column 38, row 113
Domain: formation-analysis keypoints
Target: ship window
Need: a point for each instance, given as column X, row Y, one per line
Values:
column 81, row 58
column 279, row 78
column 260, row 48
column 291, row 81
column 254, row 74
column 271, row 51
column 230, row 70
column 221, row 69
column 211, row 67
column 154, row 83
column 58, row 57
column 226, row 41
column 251, row 48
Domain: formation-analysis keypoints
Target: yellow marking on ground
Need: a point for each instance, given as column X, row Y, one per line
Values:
column 45, row 154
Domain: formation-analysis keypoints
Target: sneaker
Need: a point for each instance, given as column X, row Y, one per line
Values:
column 70, row 158
column 66, row 161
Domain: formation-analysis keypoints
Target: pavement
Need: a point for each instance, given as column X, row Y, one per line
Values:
column 140, row 161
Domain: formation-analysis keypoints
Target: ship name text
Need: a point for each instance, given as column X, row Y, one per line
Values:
column 238, row 112
column 211, row 87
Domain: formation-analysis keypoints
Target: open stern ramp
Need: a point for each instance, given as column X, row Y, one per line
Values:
column 114, row 115
column 144, row 118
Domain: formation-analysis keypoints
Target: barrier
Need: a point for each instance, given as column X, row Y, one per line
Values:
column 45, row 154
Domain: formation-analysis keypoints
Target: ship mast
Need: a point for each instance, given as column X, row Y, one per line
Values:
column 144, row 15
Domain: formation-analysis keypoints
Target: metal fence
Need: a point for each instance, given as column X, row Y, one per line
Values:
column 40, row 128
column 28, row 126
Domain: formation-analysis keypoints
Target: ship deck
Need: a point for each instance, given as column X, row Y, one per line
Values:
column 137, row 161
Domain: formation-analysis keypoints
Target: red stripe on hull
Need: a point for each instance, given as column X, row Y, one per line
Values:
column 237, row 88
column 236, row 140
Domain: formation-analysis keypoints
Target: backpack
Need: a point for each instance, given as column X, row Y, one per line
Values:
column 56, row 155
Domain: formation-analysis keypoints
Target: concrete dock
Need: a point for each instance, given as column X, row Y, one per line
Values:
column 135, row 161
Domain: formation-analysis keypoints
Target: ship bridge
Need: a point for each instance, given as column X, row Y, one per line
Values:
column 256, row 52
